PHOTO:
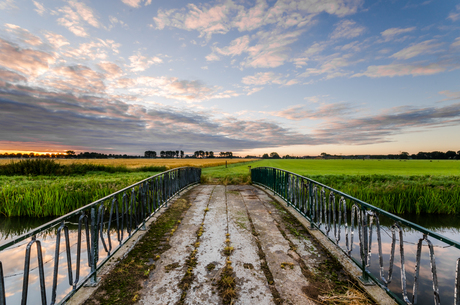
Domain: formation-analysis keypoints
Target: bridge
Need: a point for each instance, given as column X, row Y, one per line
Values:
column 284, row 240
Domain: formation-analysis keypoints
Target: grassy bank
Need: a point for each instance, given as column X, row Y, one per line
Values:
column 414, row 186
column 40, row 196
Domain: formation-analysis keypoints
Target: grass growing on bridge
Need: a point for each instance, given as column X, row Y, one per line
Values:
column 413, row 186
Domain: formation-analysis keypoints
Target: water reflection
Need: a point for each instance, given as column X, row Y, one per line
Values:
column 13, row 260
column 446, row 257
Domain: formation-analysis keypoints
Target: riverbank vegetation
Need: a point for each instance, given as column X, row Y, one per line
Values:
column 42, row 187
column 412, row 186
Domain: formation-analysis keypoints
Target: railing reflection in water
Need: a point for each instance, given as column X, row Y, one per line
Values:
column 340, row 216
column 114, row 218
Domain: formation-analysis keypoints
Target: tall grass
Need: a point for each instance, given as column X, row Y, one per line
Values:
column 42, row 196
column 401, row 194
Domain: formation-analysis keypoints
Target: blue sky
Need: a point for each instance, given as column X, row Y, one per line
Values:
column 252, row 77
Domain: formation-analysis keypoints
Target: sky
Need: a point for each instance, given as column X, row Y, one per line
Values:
column 251, row 77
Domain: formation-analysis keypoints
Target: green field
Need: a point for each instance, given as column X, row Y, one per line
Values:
column 413, row 186
column 366, row 167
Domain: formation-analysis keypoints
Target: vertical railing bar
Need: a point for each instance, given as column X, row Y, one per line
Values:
column 94, row 246
column 2, row 287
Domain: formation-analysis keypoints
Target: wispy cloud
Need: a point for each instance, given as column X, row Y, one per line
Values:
column 56, row 40
column 23, row 34
column 392, row 70
column 76, row 16
column 40, row 9
column 455, row 15
column 423, row 47
column 327, row 111
column 389, row 34
column 347, row 29
column 137, row 3
column 141, row 63
column 220, row 18
column 7, row 5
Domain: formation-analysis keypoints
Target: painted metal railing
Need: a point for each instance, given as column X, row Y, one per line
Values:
column 117, row 216
column 331, row 211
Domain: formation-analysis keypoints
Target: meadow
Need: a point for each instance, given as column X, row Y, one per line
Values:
column 412, row 186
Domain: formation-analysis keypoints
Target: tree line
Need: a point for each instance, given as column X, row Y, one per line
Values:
column 196, row 154
column 69, row 154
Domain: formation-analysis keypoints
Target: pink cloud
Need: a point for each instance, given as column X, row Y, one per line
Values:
column 402, row 69
column 26, row 61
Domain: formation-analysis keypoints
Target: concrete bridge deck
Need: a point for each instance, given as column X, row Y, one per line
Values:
column 237, row 245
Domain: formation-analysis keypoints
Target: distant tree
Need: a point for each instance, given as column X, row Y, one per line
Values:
column 181, row 153
column 207, row 154
column 438, row 155
column 162, row 154
column 451, row 154
column 149, row 154
column 404, row 155
column 211, row 154
column 265, row 156
column 274, row 155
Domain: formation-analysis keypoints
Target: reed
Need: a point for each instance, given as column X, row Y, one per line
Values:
column 43, row 196
column 401, row 194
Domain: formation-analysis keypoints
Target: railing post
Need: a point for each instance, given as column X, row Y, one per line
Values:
column 94, row 247
column 310, row 203
column 2, row 287
column 364, row 248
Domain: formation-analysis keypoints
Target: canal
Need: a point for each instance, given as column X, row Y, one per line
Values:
column 446, row 257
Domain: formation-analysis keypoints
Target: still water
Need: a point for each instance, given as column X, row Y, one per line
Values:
column 446, row 257
column 13, row 258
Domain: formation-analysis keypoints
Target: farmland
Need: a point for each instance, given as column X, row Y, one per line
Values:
column 141, row 162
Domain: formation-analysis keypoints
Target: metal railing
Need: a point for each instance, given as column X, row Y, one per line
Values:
column 117, row 216
column 331, row 211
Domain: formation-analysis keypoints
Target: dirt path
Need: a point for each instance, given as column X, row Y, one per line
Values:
column 232, row 245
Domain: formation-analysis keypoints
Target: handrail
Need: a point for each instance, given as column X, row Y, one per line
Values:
column 127, row 210
column 317, row 203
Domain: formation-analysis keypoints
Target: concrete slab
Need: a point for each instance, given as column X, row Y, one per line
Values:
column 289, row 282
column 251, row 284
column 162, row 286
column 212, row 243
